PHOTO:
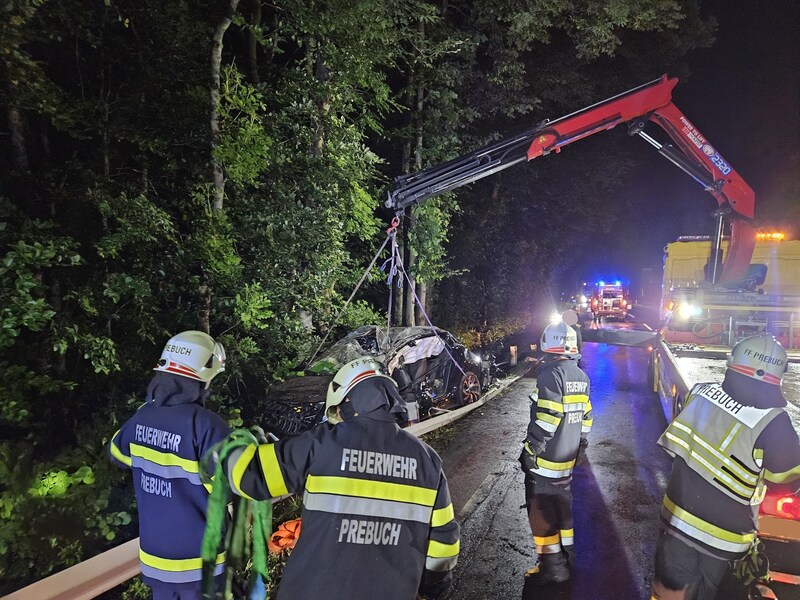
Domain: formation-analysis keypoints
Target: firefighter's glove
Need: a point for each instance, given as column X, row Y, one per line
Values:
column 528, row 459
column 581, row 449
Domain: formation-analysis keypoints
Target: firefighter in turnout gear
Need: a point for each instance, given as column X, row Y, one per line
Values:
column 560, row 421
column 728, row 442
column 162, row 444
column 377, row 517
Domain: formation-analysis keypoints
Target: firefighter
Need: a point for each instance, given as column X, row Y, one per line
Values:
column 162, row 444
column 560, row 422
column 377, row 516
column 727, row 443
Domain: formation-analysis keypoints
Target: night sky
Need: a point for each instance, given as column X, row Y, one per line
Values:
column 743, row 94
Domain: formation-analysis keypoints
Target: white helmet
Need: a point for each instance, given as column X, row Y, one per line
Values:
column 346, row 379
column 559, row 338
column 192, row 354
column 760, row 357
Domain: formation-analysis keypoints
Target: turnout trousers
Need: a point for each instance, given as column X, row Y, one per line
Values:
column 684, row 573
column 550, row 516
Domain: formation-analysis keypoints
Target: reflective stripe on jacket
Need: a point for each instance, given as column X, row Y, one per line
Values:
column 561, row 413
column 162, row 445
column 716, row 436
column 376, row 509
column 717, row 478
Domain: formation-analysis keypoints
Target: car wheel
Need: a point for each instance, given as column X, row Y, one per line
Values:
column 469, row 388
column 677, row 405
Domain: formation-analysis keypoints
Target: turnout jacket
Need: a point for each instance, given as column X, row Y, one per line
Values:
column 724, row 451
column 561, row 414
column 377, row 515
column 162, row 444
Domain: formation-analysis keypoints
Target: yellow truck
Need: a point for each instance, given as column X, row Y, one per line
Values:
column 700, row 324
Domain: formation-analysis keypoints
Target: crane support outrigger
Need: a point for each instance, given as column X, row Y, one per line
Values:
column 652, row 102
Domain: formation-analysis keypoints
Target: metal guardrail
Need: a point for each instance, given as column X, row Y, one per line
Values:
column 105, row 571
column 88, row 579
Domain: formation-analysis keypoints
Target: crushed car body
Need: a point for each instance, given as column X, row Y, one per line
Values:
column 433, row 370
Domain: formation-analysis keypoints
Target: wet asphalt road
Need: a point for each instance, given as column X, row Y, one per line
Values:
column 617, row 489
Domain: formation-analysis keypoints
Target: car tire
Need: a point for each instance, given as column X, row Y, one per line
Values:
column 677, row 405
column 469, row 388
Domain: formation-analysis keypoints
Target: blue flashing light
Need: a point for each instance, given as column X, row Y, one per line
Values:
column 601, row 283
column 618, row 282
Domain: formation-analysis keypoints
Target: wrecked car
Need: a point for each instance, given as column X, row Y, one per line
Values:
column 433, row 370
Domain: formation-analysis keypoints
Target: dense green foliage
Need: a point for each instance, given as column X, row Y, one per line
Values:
column 112, row 239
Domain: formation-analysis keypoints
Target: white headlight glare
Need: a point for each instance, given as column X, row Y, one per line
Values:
column 687, row 311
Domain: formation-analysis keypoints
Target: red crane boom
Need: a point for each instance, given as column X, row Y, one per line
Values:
column 651, row 102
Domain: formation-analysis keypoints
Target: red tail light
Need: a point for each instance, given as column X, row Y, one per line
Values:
column 784, row 506
column 789, row 507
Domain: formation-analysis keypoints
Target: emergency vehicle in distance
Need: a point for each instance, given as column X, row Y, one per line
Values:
column 723, row 304
column 610, row 300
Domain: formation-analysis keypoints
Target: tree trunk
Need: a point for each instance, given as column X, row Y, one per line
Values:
column 218, row 195
column 16, row 127
column 204, row 312
column 411, row 308
column 105, row 142
column 420, row 107
column 397, row 292
column 422, row 294
column 409, row 259
column 321, row 74
column 216, row 62
column 254, row 20
column 144, row 179
column 272, row 49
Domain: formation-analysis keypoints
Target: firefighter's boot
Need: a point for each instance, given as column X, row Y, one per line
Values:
column 569, row 554
column 553, row 569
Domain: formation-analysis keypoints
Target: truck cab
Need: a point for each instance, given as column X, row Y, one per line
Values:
column 767, row 300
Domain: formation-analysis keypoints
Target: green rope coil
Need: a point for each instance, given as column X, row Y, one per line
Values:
column 237, row 549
